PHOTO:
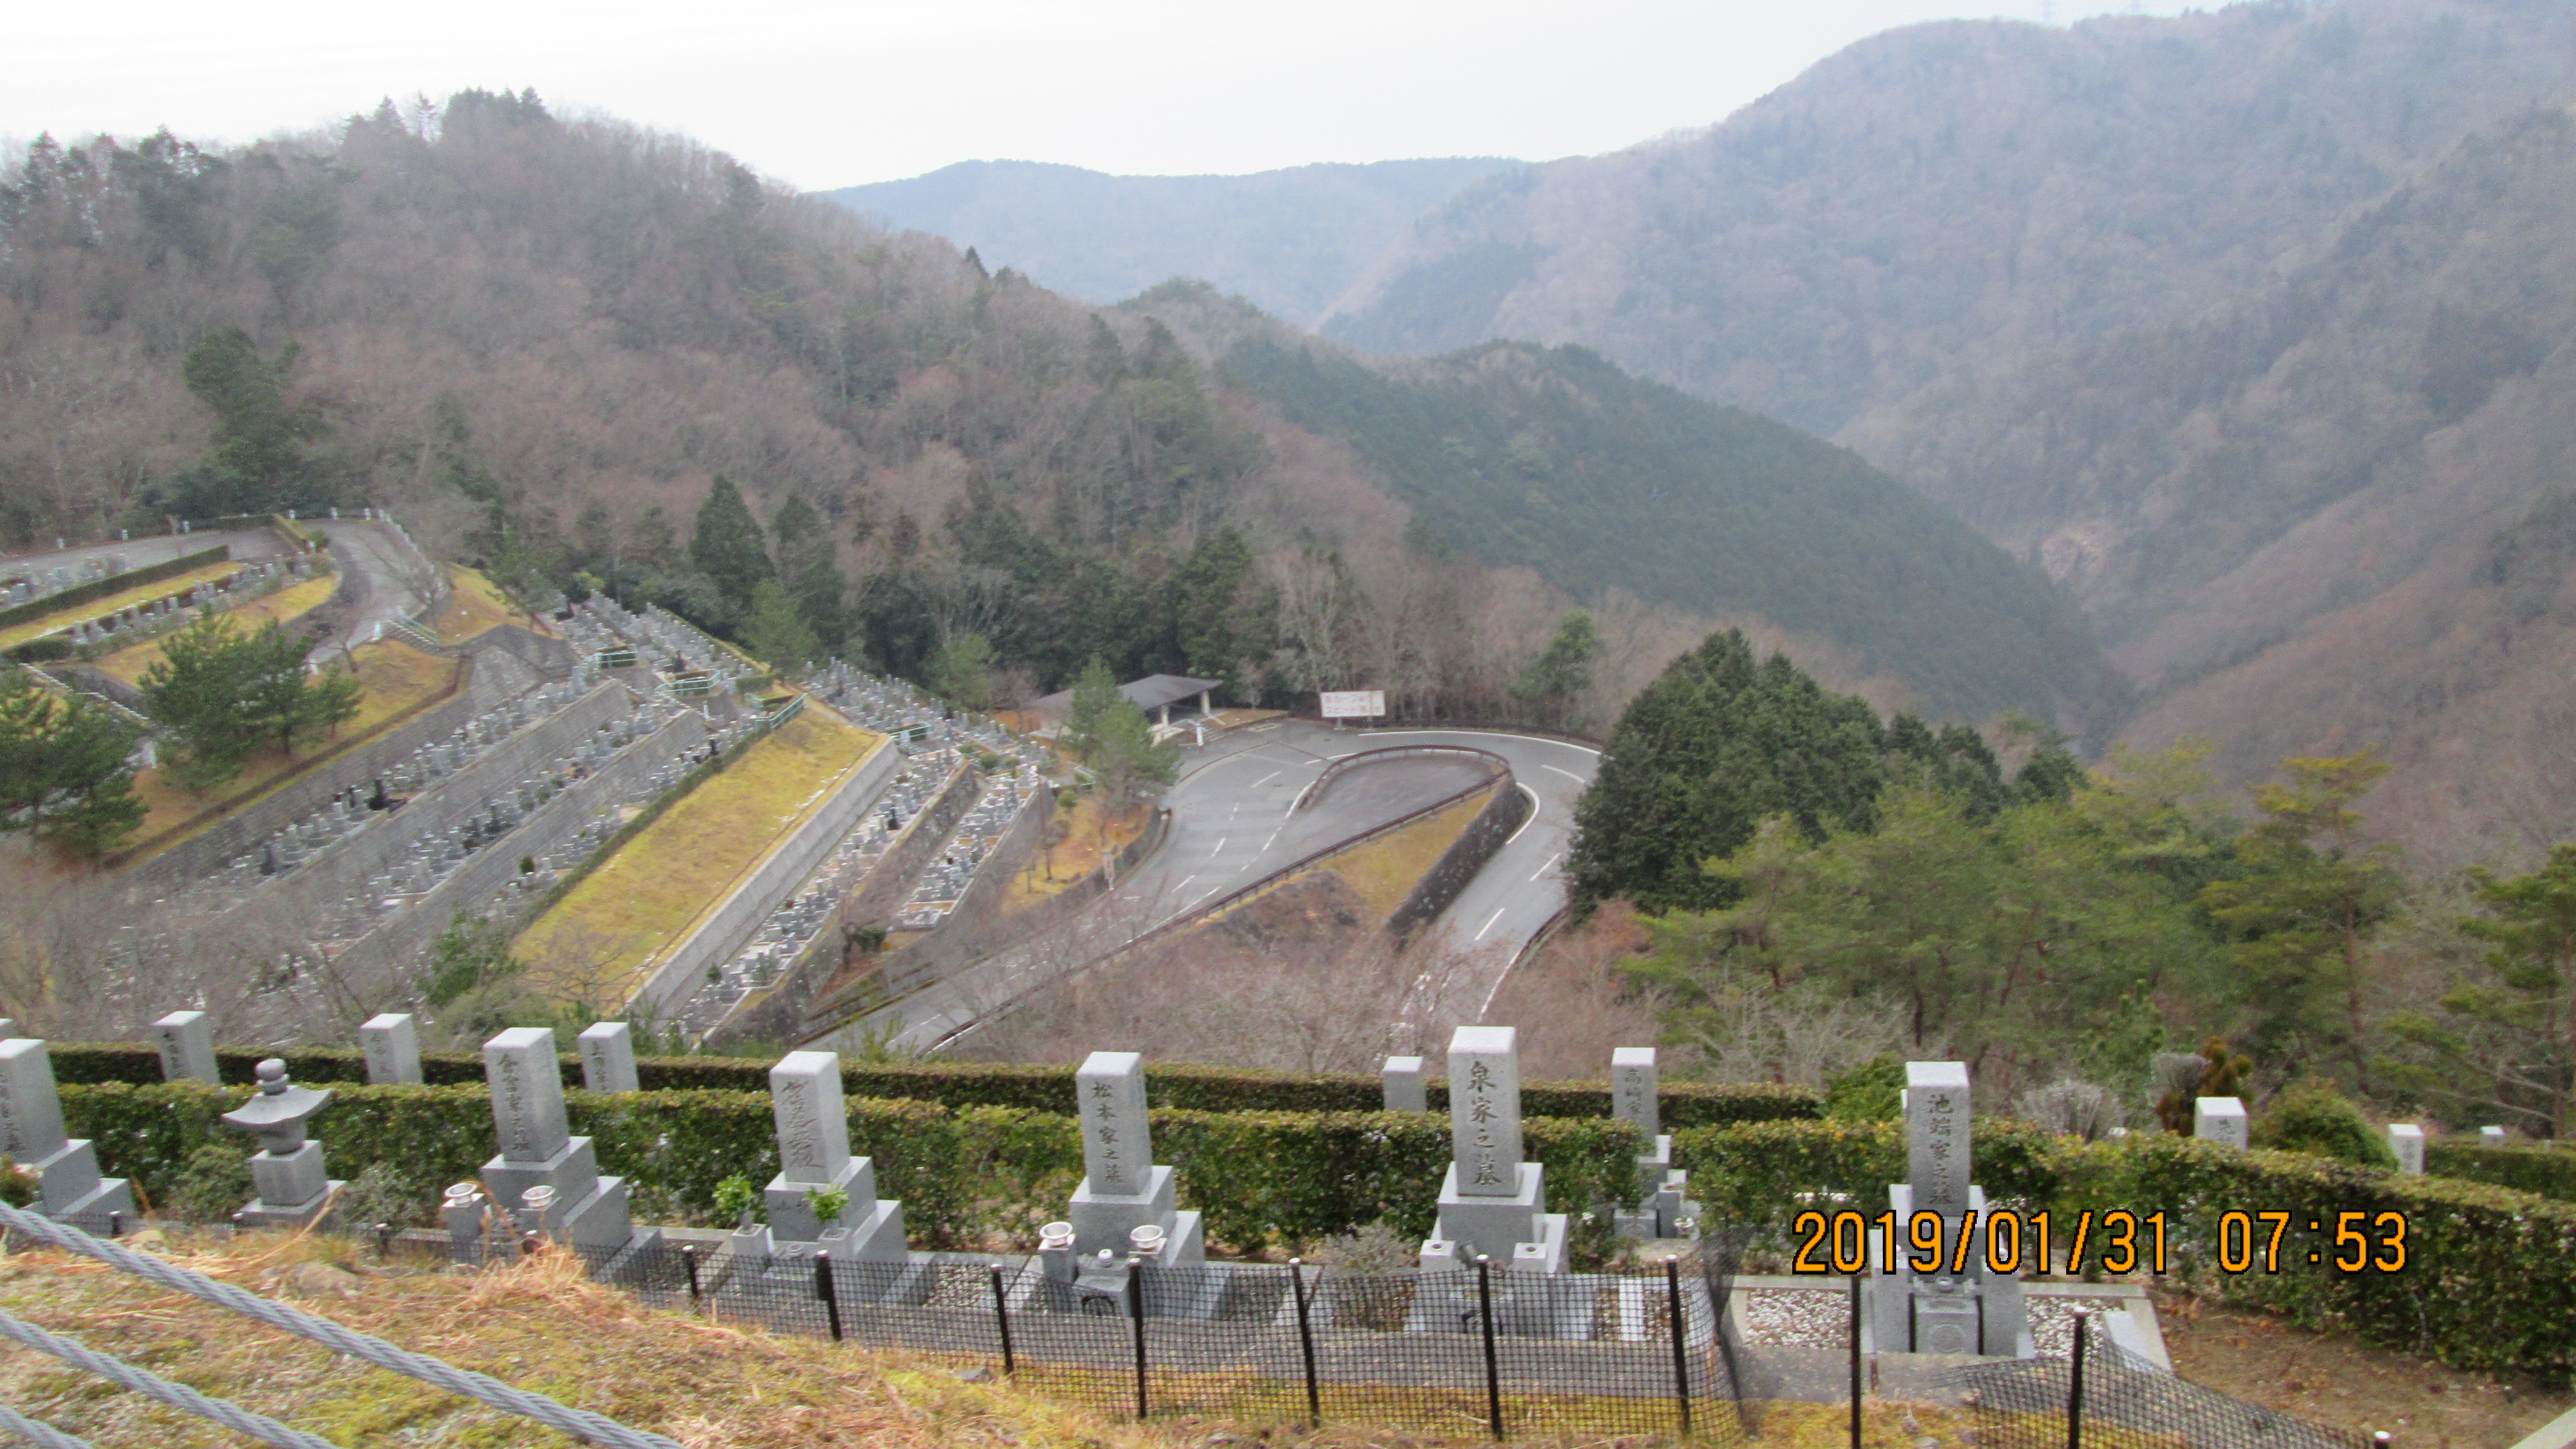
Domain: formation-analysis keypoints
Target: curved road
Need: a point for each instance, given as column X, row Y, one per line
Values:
column 391, row 578
column 1231, row 826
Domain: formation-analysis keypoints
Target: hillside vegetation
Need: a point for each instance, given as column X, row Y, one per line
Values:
column 591, row 357
column 1292, row 240
column 1555, row 460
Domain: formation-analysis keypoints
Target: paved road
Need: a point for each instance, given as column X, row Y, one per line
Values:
column 247, row 543
column 1231, row 826
column 390, row 576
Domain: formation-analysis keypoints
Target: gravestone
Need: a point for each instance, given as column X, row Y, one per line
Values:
column 608, row 1057
column 1975, row 1311
column 31, row 1133
column 2221, row 1120
column 391, row 1043
column 1401, row 1080
column 187, row 1042
column 1492, row 1204
column 814, row 1156
column 1121, row 1188
column 293, row 1187
column 2406, row 1141
column 1659, row 1208
column 2490, row 1137
column 525, row 1079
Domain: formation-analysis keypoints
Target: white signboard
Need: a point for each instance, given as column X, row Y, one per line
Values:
column 1354, row 703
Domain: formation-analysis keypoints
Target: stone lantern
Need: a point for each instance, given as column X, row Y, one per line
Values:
column 287, row 1170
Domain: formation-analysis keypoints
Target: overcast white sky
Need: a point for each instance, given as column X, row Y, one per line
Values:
column 831, row 94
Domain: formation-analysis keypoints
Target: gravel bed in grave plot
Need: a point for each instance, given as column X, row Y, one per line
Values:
column 1821, row 1318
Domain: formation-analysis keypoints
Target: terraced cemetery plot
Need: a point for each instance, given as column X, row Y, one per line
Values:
column 285, row 606
column 648, row 895
column 398, row 679
column 176, row 584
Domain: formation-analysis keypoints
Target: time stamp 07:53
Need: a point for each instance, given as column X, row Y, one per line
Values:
column 2120, row 1240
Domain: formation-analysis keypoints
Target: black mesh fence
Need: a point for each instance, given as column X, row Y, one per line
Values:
column 2103, row 1395
column 1485, row 1351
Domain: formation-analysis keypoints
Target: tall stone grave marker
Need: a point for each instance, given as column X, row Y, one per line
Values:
column 187, row 1042
column 2406, row 1140
column 525, row 1078
column 2222, row 1120
column 1401, row 1079
column 1122, row 1189
column 390, row 1042
column 31, row 1133
column 287, row 1170
column 1492, row 1204
column 813, row 1157
column 608, row 1057
column 1658, row 1208
column 1974, row 1311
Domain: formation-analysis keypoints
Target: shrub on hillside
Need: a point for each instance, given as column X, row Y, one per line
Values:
column 2313, row 1117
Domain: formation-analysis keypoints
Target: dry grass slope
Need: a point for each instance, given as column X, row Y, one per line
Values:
column 656, row 886
column 285, row 606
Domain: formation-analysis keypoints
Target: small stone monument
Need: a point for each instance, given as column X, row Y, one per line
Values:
column 1121, row 1189
column 2490, row 1137
column 287, row 1170
column 2406, row 1140
column 607, row 1057
column 391, row 1043
column 537, row 1148
column 2221, row 1120
column 1977, row 1310
column 1492, row 1204
column 814, row 1156
column 31, row 1133
column 187, row 1042
column 1659, row 1207
column 1401, row 1078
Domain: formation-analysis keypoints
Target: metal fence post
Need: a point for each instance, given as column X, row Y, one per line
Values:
column 1306, row 1343
column 831, row 1294
column 1855, row 1361
column 689, row 1260
column 1136, row 1315
column 1002, row 1319
column 1681, row 1333
column 1493, row 1369
column 2075, row 1387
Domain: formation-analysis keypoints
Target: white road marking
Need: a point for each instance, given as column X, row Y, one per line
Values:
column 1489, row 921
column 1265, row 845
column 1533, row 815
column 1551, row 860
column 1220, row 849
column 1569, row 774
column 1184, row 885
column 1266, row 779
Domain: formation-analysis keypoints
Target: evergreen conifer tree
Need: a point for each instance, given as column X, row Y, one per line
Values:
column 727, row 546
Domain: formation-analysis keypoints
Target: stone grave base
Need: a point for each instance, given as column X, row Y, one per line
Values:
column 68, row 1184
column 876, row 1237
column 1102, row 1221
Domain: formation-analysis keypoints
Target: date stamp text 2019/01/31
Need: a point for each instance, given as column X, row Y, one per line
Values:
column 2119, row 1241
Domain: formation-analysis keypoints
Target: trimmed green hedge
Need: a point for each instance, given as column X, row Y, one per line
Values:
column 2534, row 1167
column 79, row 594
column 961, row 1173
column 2490, row 1281
column 1037, row 1088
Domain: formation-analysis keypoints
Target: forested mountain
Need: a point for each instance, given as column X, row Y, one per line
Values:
column 595, row 358
column 1555, row 460
column 2337, row 511
column 1292, row 241
column 1950, row 196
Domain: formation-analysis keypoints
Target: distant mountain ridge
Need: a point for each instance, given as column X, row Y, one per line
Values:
column 1291, row 240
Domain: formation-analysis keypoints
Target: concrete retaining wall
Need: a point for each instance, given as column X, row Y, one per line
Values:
column 372, row 965
column 1465, row 856
column 723, row 933
column 317, row 887
column 488, row 681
